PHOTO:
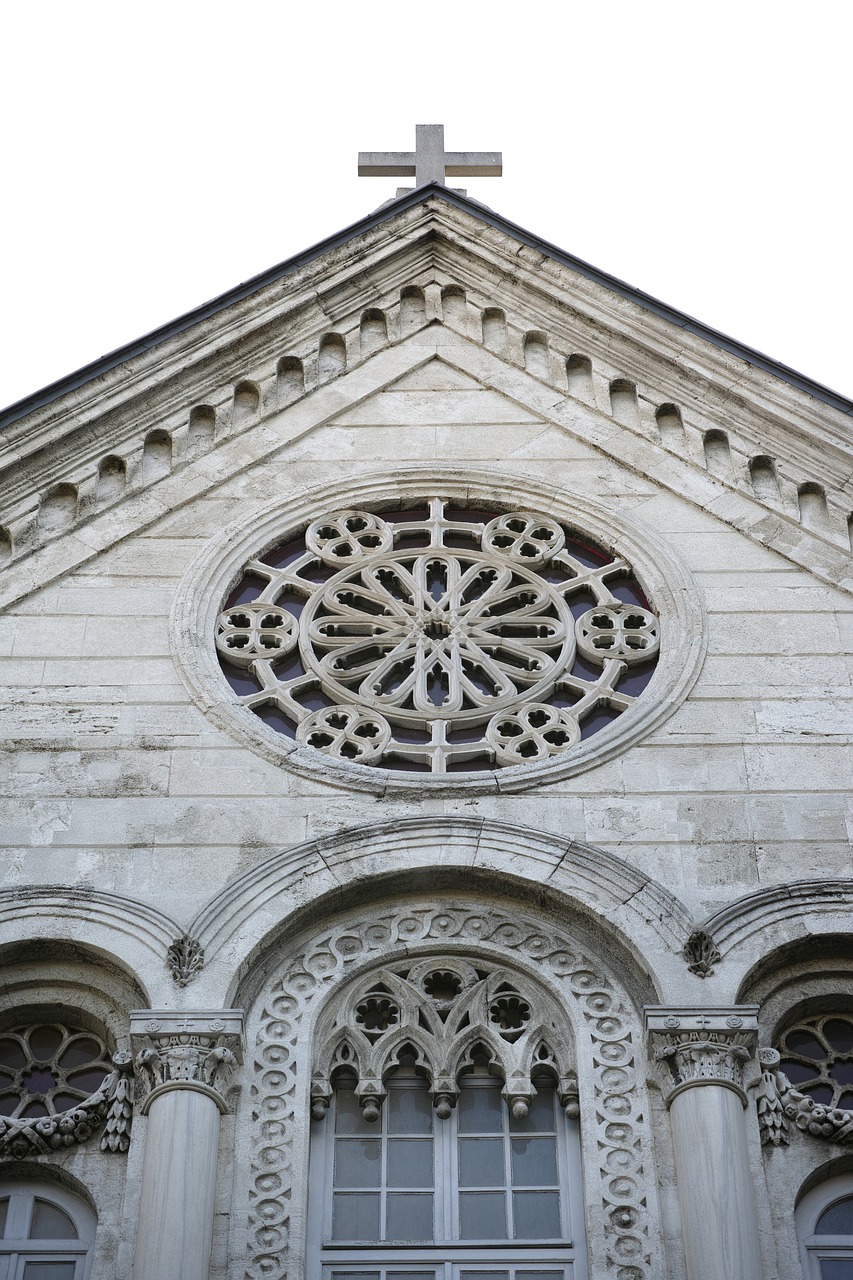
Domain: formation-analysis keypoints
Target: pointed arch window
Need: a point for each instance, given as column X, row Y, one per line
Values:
column 443, row 1149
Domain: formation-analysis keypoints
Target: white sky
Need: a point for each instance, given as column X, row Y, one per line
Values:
column 159, row 154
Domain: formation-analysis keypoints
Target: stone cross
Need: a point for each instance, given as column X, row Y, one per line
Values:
column 429, row 162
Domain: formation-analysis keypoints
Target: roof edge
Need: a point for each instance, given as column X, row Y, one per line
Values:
column 89, row 372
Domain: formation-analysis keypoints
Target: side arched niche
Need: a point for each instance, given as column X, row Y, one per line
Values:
column 294, row 978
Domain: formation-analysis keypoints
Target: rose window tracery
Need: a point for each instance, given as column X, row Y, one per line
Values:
column 817, row 1058
column 437, row 638
column 49, row 1069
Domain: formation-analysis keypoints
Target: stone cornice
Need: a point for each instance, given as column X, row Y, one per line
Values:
column 440, row 242
column 691, row 1047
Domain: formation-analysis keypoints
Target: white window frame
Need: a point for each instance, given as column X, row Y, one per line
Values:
column 816, row 1248
column 447, row 1256
column 16, row 1250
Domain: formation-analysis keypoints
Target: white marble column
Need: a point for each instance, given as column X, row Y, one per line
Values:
column 184, row 1061
column 700, row 1055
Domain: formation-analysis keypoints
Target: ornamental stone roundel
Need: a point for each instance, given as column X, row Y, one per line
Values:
column 437, row 633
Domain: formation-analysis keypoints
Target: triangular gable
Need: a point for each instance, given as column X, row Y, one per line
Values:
column 664, row 400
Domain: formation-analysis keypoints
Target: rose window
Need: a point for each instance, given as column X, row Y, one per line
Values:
column 438, row 638
column 49, row 1069
column 817, row 1057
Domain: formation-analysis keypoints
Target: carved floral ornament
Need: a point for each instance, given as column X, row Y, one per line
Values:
column 438, row 638
column 457, row 965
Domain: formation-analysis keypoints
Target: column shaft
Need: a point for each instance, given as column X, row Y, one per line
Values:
column 178, row 1187
column 715, row 1190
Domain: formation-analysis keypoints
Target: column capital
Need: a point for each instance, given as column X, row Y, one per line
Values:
column 186, row 1050
column 700, row 1046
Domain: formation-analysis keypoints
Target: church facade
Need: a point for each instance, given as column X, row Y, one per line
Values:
column 427, row 718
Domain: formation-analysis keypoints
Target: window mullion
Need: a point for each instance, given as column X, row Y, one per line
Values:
column 447, row 1146
column 507, row 1140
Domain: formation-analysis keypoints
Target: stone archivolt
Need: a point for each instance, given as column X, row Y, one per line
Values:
column 614, row 1120
column 442, row 638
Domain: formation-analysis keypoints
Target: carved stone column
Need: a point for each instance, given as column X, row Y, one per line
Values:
column 184, row 1061
column 700, row 1055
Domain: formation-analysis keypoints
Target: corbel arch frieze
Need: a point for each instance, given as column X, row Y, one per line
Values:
column 751, row 930
column 111, row 928
column 285, row 891
column 581, row 979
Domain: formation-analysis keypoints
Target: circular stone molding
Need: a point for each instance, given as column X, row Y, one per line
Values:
column 392, row 663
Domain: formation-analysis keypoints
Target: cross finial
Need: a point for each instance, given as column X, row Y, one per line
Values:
column 429, row 162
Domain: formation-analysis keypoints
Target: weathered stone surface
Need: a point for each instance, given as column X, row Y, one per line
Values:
column 142, row 806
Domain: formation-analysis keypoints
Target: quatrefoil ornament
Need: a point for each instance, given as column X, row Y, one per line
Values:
column 524, row 536
column 534, row 732
column 348, row 535
column 250, row 631
column 347, row 733
column 628, row 632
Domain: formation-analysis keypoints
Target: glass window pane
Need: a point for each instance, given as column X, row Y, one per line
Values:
column 4, row 1209
column 409, row 1275
column 836, row 1269
column 409, row 1110
column 44, row 1042
column 49, row 1271
column 358, row 1162
column 348, row 1116
column 355, row 1275
column 408, row 1216
column 482, row 1215
column 410, row 1162
column 480, row 1110
column 355, row 1217
column 534, row 1162
column 50, row 1223
column 540, row 1275
column 837, row 1220
column 481, row 1162
column 536, row 1215
column 484, row 1275
column 539, row 1118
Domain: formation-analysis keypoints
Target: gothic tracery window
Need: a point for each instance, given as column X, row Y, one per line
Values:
column 445, row 1145
column 438, row 638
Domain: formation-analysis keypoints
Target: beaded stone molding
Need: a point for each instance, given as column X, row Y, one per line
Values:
column 456, row 640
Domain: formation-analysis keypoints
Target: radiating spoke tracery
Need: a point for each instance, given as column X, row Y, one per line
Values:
column 431, row 633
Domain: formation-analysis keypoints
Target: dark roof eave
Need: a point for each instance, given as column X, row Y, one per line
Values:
column 114, row 358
